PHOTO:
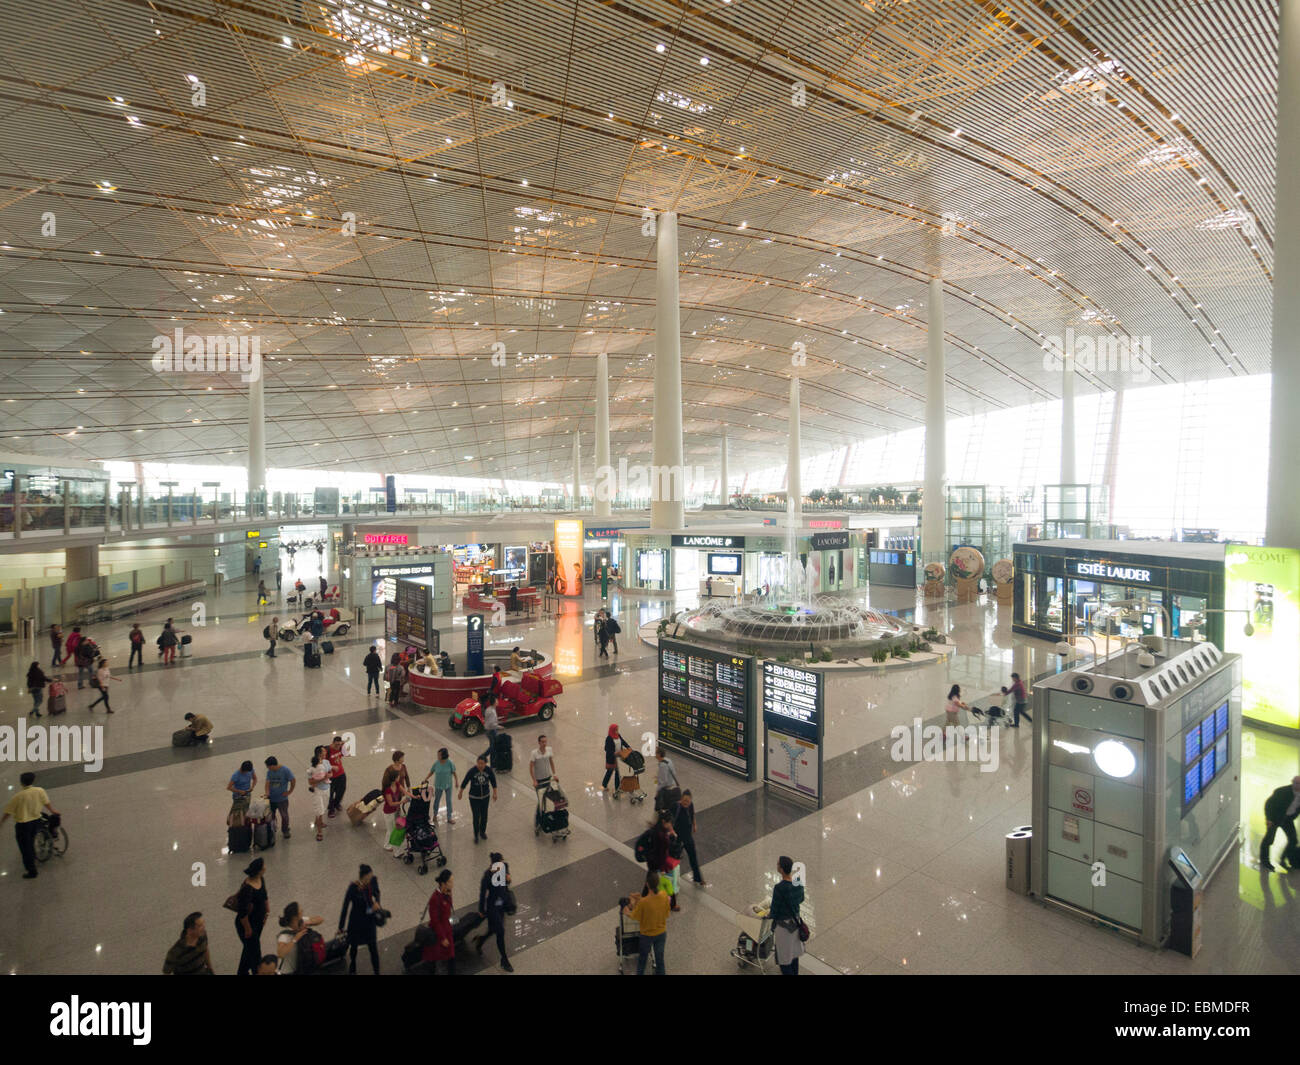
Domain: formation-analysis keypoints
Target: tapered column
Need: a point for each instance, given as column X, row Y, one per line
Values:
column 668, row 491
column 724, row 497
column 793, row 480
column 577, row 470
column 1068, row 470
column 80, row 562
column 1111, row 470
column 936, row 435
column 1283, row 525
column 600, row 507
column 256, row 440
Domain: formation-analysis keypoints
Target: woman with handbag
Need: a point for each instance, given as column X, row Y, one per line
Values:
column 614, row 743
column 100, row 682
column 443, row 947
column 394, row 793
column 494, row 900
column 251, row 907
column 789, row 935
column 318, row 784
column 362, row 898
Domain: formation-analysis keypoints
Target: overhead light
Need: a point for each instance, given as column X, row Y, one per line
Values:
column 286, row 42
column 704, row 61
column 659, row 47
column 1115, row 759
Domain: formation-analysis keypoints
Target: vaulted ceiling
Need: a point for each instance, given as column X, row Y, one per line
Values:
column 382, row 190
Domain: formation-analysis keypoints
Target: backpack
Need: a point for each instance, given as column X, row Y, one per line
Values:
column 675, row 847
column 613, row 626
column 266, row 635
column 311, row 952
column 645, row 845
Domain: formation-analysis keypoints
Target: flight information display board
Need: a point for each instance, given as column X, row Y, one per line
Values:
column 794, row 730
column 408, row 617
column 707, row 705
column 792, row 699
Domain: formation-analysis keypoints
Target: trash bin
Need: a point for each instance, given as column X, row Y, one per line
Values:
column 1018, row 860
column 187, row 645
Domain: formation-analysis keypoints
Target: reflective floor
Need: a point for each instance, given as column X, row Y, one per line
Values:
column 905, row 864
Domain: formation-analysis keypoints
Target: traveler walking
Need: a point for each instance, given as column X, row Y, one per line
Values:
column 261, row 593
column 661, row 853
column 612, row 629
column 669, row 789
column 101, row 680
column 318, row 785
column 338, row 776
column 443, row 947
column 137, row 646
column 396, row 677
column 280, row 783
column 189, row 955
column 394, row 792
column 272, row 633
column 1020, row 696
column 294, row 926
column 684, row 827
column 25, row 808
column 602, row 636
column 787, row 899
column 443, row 772
column 36, row 681
column 317, row 625
column 85, row 656
column 482, row 784
column 167, row 641
column 613, row 744
column 649, row 910
column 251, row 909
column 374, row 666
column 56, row 640
column 1280, row 810
column 279, row 577
column 491, row 722
column 324, row 586
column 240, row 785
column 70, row 647
column 493, row 895
column 541, row 765
column 362, row 899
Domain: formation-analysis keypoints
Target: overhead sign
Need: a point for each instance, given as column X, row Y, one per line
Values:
column 707, row 705
column 253, row 535
column 793, row 731
column 568, row 557
column 387, row 538
column 792, row 699
column 823, row 523
column 384, row 579
column 1114, row 571
column 829, row 541
column 708, row 541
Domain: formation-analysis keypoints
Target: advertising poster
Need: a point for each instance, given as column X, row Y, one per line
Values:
column 568, row 557
column 1265, row 583
column 792, row 763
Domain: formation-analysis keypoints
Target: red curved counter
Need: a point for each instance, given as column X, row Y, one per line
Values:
column 443, row 693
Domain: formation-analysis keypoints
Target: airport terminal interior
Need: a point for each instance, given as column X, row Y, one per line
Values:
column 879, row 411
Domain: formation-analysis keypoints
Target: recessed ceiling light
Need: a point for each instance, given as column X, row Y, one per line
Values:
column 704, row 61
column 659, row 47
column 286, row 42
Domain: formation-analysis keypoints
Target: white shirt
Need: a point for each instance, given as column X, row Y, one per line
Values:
column 543, row 764
column 289, row 963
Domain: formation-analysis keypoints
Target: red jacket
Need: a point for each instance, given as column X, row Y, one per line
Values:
column 440, row 921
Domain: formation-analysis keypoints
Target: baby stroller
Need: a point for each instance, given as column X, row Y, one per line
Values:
column 421, row 838
column 631, row 783
column 552, row 813
column 995, row 715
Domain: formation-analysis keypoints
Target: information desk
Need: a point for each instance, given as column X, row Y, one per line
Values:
column 476, row 602
column 707, row 705
column 443, row 693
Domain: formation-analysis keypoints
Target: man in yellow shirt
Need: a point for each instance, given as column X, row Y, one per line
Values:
column 650, row 912
column 25, row 808
column 200, row 726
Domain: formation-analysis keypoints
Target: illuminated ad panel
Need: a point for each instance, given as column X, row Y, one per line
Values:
column 568, row 557
column 1264, row 582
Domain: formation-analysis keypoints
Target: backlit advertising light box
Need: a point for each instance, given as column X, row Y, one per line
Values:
column 568, row 557
column 402, row 539
column 1262, row 586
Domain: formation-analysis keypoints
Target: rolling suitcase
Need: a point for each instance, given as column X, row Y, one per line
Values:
column 57, row 698
column 504, row 758
column 239, row 839
column 310, row 657
column 326, row 647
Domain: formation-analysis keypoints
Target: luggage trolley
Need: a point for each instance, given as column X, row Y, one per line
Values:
column 627, row 941
column 631, row 782
column 756, row 944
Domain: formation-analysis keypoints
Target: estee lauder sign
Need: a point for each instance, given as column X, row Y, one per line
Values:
column 1109, row 571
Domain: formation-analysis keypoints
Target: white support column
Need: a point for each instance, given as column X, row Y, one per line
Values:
column 603, row 479
column 936, row 434
column 256, row 437
column 577, row 470
column 724, row 497
column 1283, row 523
column 667, row 514
column 793, row 460
column 1111, row 471
column 1068, row 469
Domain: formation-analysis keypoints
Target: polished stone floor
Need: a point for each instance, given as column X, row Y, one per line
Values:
column 904, row 864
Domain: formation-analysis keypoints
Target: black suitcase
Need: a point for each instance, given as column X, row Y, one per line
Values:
column 264, row 835
column 310, row 657
column 504, row 757
column 184, row 738
column 326, row 647
column 239, row 839
column 464, row 926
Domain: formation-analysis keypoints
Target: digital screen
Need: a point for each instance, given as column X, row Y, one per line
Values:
column 650, row 566
column 792, row 700
column 706, row 705
column 1207, row 733
column 1192, row 742
column 1221, row 754
column 725, row 565
column 1191, row 784
column 1221, row 720
column 1207, row 770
